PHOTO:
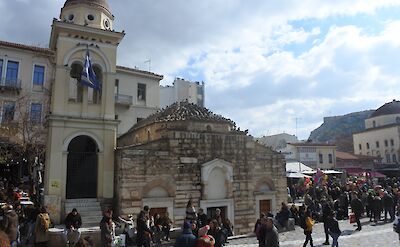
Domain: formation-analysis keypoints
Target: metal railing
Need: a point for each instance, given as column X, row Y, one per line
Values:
column 11, row 83
column 123, row 99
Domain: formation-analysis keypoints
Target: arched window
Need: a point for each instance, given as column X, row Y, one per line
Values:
column 94, row 96
column 75, row 87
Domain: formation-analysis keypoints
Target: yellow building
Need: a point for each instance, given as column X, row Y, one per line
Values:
column 82, row 123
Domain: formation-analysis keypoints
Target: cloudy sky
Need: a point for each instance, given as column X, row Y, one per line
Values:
column 265, row 63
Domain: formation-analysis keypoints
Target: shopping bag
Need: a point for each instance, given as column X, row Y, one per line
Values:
column 352, row 218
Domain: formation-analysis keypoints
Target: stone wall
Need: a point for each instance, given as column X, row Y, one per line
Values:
column 174, row 163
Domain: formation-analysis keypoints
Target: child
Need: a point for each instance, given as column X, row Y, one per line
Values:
column 308, row 230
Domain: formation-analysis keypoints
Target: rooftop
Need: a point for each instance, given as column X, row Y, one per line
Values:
column 389, row 108
column 135, row 70
column 312, row 144
column 45, row 51
column 182, row 111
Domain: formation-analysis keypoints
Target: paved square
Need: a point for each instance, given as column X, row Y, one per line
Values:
column 381, row 235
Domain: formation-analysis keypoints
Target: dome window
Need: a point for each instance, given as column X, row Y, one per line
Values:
column 71, row 17
column 90, row 17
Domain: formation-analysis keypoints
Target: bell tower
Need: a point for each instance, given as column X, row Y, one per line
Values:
column 81, row 124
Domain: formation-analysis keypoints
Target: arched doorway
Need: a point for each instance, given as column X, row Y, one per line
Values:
column 82, row 168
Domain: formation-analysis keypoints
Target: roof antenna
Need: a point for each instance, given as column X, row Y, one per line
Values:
column 149, row 62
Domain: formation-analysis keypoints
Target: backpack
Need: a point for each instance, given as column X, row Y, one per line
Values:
column 303, row 223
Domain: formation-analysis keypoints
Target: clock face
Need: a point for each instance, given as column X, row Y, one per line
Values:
column 107, row 24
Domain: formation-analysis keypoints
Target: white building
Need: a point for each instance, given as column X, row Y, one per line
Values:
column 182, row 90
column 315, row 155
column 381, row 136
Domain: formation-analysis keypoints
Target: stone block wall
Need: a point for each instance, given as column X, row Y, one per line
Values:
column 174, row 163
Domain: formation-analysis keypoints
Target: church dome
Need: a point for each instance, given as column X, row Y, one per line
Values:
column 387, row 109
column 182, row 111
column 100, row 3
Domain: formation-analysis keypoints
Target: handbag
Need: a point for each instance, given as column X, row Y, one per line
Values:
column 352, row 218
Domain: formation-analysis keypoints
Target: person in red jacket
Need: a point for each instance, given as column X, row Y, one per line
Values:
column 205, row 240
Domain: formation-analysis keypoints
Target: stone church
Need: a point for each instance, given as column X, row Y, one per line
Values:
column 186, row 151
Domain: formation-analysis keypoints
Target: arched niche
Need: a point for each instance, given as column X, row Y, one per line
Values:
column 217, row 178
column 159, row 195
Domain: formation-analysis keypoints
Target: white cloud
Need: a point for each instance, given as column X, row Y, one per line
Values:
column 242, row 50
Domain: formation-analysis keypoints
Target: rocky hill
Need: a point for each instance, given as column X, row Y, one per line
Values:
column 339, row 129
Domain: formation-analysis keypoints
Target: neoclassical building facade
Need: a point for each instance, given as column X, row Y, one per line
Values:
column 185, row 151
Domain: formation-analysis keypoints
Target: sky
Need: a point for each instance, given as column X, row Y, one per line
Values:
column 270, row 66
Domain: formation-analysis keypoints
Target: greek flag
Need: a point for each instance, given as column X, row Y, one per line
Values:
column 88, row 77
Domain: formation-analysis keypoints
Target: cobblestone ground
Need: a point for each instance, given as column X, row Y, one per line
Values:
column 380, row 235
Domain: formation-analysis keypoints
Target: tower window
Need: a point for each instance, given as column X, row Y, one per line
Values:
column 377, row 144
column 391, row 142
column 141, row 93
column 321, row 158
column 90, row 17
column 75, row 87
column 367, row 145
column 386, row 143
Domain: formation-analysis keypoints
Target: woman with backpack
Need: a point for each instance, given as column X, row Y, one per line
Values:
column 42, row 228
column 308, row 226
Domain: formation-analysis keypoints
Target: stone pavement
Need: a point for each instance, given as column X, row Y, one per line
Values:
column 381, row 235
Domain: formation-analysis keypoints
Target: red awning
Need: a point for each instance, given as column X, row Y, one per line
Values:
column 377, row 175
column 355, row 171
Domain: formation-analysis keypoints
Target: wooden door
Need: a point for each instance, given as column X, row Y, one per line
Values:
column 265, row 206
column 160, row 211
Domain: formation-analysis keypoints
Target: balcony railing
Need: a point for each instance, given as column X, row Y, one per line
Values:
column 122, row 99
column 10, row 83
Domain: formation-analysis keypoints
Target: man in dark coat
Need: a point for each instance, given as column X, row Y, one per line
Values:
column 357, row 209
column 326, row 212
column 144, row 233
column 73, row 222
column 271, row 234
column 201, row 218
column 187, row 239
column 388, row 206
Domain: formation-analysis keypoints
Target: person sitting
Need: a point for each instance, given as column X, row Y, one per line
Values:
column 283, row 215
column 73, row 222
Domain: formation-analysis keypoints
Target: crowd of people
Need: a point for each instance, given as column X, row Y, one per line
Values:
column 199, row 230
column 331, row 202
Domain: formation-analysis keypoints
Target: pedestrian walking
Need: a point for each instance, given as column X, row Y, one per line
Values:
column 187, row 239
column 357, row 209
column 144, row 234
column 388, row 206
column 333, row 228
column 326, row 212
column 42, row 228
column 271, row 234
column 309, row 223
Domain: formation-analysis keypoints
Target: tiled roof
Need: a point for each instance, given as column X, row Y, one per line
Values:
column 311, row 144
column 349, row 156
column 139, row 71
column 387, row 109
column 181, row 111
column 27, row 47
